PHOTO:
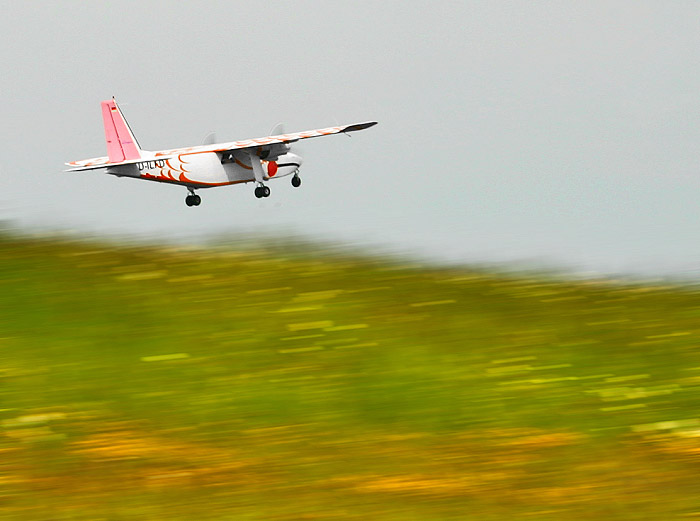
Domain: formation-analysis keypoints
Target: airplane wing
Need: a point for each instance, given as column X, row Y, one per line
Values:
column 103, row 162
column 270, row 140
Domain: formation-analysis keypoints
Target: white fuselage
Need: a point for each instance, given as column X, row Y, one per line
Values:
column 204, row 169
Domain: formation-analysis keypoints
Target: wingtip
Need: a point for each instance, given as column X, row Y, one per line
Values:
column 360, row 126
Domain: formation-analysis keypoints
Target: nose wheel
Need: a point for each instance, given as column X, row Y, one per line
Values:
column 296, row 180
column 262, row 191
column 192, row 199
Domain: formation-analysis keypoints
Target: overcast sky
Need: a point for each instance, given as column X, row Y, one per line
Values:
column 563, row 133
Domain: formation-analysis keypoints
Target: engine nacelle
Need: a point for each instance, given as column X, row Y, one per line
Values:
column 272, row 152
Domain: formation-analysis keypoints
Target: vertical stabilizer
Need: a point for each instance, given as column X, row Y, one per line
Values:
column 121, row 144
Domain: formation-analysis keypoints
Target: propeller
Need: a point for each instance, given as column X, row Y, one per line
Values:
column 276, row 150
column 271, row 152
column 209, row 139
column 278, row 130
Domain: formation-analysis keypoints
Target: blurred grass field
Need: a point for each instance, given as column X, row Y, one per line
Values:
column 235, row 384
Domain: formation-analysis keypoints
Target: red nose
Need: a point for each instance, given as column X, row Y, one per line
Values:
column 271, row 168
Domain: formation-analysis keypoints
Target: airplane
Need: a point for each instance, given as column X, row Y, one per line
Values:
column 204, row 166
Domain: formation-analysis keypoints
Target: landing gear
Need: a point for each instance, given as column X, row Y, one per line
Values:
column 192, row 199
column 262, row 191
column 296, row 180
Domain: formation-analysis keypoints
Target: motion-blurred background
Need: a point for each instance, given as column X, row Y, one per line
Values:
column 555, row 134
column 388, row 341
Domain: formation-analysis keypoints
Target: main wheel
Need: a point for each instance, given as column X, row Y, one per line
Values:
column 196, row 200
column 259, row 192
column 266, row 191
column 189, row 201
column 296, row 181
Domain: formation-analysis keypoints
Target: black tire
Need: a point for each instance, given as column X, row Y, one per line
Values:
column 188, row 200
column 196, row 200
column 296, row 181
column 258, row 192
column 266, row 191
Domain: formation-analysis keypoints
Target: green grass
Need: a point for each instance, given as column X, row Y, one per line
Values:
column 286, row 384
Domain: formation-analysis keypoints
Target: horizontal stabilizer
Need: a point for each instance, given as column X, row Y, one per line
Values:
column 82, row 168
column 103, row 162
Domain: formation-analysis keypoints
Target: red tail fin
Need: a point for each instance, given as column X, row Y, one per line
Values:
column 121, row 144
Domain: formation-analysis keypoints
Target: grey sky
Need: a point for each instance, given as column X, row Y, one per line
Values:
column 559, row 131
